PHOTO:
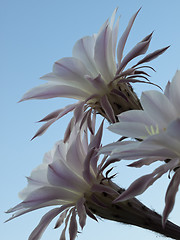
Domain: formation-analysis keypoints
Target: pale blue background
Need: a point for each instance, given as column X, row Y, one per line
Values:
column 36, row 33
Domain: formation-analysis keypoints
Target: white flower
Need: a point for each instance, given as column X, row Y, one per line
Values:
column 94, row 77
column 71, row 179
column 65, row 179
column 157, row 129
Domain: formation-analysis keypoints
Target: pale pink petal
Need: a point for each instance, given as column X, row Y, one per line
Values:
column 62, row 176
column 84, row 50
column 81, row 212
column 68, row 130
column 63, row 236
column 145, row 161
column 114, row 36
column 51, row 120
column 97, row 82
column 156, row 105
column 78, row 111
column 107, row 149
column 175, row 90
column 90, row 123
column 59, row 113
column 61, row 219
column 139, row 49
column 139, row 151
column 136, row 116
column 73, row 226
column 170, row 195
column 106, row 106
column 129, row 129
column 51, row 115
column 96, row 140
column 75, row 155
column 43, row 128
column 152, row 56
column 71, row 71
column 101, row 53
column 173, row 129
column 94, row 161
column 164, row 140
column 43, row 224
column 46, row 194
column 110, row 54
column 50, row 90
column 142, row 183
column 124, row 37
column 136, row 188
column 167, row 90
column 87, row 172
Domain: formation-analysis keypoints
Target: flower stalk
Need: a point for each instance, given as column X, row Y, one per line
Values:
column 131, row 212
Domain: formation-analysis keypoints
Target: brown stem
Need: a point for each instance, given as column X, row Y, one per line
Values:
column 131, row 212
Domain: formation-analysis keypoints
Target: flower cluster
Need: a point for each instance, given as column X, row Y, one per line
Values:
column 72, row 176
column 65, row 179
column 156, row 130
column 94, row 78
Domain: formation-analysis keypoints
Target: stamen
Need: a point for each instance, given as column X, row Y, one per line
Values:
column 152, row 130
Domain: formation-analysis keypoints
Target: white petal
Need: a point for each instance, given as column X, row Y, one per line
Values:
column 59, row 175
column 46, row 194
column 158, row 107
column 136, row 188
column 104, row 54
column 73, row 226
column 43, row 224
column 173, row 129
column 71, row 71
column 129, row 129
column 84, row 50
column 170, row 195
column 50, row 90
column 124, row 37
column 175, row 90
column 135, row 116
column 37, row 179
column 81, row 212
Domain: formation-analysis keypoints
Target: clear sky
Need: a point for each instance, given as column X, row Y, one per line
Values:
column 36, row 33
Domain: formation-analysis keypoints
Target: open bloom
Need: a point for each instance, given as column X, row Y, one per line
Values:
column 157, row 128
column 71, row 179
column 65, row 179
column 94, row 77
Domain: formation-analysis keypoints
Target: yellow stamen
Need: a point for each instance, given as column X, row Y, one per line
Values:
column 152, row 130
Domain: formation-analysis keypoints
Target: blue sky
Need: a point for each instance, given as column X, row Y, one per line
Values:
column 36, row 33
